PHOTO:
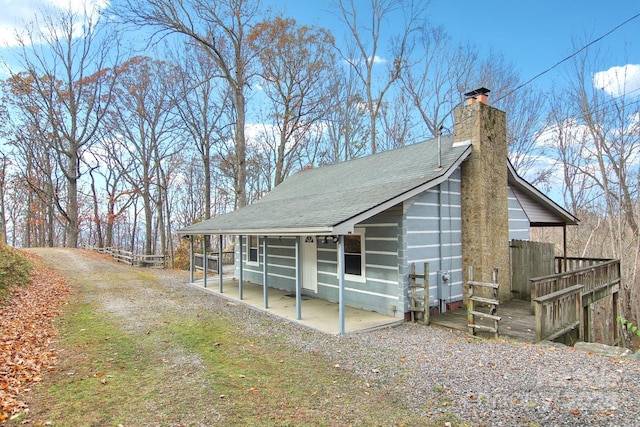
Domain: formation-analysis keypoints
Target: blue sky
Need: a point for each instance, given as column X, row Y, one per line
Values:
column 533, row 35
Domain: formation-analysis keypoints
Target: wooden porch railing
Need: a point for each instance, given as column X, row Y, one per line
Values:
column 128, row 257
column 573, row 263
column 558, row 313
column 598, row 279
column 212, row 260
column 593, row 277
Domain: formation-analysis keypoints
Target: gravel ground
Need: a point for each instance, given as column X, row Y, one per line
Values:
column 435, row 371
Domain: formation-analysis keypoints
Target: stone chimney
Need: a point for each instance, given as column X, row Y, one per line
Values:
column 485, row 215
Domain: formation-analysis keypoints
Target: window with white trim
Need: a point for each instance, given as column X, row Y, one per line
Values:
column 253, row 250
column 354, row 261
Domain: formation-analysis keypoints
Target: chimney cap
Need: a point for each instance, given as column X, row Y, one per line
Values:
column 474, row 93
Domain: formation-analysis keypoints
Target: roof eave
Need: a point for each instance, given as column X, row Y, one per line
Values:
column 350, row 223
column 298, row 231
column 569, row 219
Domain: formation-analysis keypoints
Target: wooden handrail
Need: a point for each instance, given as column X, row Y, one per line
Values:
column 558, row 313
column 592, row 277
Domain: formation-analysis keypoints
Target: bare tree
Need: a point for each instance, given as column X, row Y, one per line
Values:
column 525, row 111
column 220, row 28
column 4, row 163
column 364, row 52
column 205, row 110
column 346, row 121
column 436, row 75
column 144, row 121
column 27, row 132
column 603, row 159
column 296, row 63
column 66, row 58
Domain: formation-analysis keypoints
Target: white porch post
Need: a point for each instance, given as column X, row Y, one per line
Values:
column 265, row 274
column 205, row 262
column 240, row 278
column 220, row 262
column 341, row 285
column 298, row 280
column 192, row 261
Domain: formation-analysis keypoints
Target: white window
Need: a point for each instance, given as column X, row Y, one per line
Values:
column 253, row 250
column 354, row 260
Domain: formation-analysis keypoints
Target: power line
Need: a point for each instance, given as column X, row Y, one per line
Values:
column 569, row 57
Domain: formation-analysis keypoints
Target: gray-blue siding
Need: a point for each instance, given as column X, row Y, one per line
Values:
column 426, row 228
column 518, row 221
column 379, row 291
column 433, row 224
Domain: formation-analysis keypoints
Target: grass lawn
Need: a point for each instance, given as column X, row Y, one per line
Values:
column 191, row 368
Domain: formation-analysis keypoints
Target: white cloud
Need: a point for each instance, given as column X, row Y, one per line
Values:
column 17, row 14
column 378, row 60
column 619, row 80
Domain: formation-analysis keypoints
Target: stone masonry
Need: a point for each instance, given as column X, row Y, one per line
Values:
column 485, row 215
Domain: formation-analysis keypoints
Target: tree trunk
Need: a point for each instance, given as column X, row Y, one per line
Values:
column 241, row 174
column 72, row 203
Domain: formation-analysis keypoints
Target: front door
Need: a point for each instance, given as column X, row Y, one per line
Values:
column 309, row 264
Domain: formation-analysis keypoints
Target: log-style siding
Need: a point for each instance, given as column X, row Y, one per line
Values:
column 518, row 222
column 424, row 229
column 432, row 224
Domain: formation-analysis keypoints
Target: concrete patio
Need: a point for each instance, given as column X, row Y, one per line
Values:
column 318, row 314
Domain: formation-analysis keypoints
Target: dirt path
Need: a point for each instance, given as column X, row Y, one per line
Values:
column 141, row 302
column 195, row 359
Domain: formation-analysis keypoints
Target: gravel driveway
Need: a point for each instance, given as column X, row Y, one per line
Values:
column 486, row 382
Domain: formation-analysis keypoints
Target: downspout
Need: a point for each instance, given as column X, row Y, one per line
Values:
column 298, row 281
column 441, row 306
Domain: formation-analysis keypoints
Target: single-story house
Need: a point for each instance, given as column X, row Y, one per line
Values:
column 350, row 232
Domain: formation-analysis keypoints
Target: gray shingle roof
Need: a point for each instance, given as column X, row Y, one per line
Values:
column 328, row 199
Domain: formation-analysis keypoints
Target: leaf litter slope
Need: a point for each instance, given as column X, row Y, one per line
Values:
column 139, row 347
column 26, row 334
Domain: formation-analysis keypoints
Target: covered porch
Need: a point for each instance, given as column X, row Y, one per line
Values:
column 315, row 313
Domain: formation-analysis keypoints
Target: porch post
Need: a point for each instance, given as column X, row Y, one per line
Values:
column 205, row 262
column 240, row 275
column 192, row 264
column 265, row 274
column 614, row 303
column 220, row 263
column 341, row 285
column 298, row 281
column 564, row 249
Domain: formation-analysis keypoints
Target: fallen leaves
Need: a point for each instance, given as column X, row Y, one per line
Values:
column 26, row 334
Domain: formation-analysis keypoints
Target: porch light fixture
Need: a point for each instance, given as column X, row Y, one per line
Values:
column 335, row 239
column 326, row 240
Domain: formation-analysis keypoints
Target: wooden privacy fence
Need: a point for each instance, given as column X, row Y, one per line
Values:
column 128, row 257
column 529, row 259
